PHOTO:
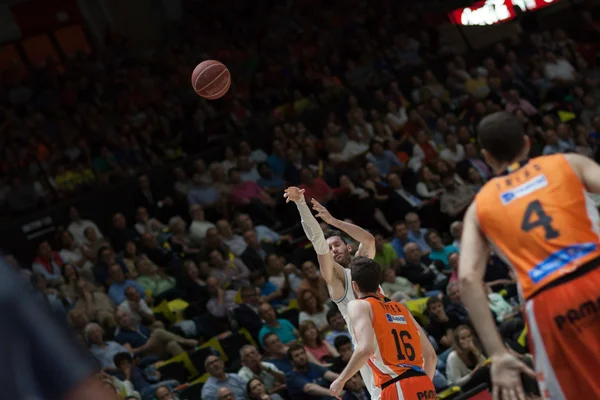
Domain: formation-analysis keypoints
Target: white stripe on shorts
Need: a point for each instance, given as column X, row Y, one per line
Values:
column 542, row 361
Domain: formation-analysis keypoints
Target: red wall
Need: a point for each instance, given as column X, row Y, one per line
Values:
column 39, row 16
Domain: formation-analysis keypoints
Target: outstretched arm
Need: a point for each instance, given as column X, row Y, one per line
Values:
column 331, row 271
column 366, row 240
column 429, row 356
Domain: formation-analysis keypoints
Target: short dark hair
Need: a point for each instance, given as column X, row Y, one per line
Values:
column 428, row 234
column 293, row 348
column 340, row 341
column 501, row 135
column 366, row 273
column 255, row 276
column 332, row 313
column 431, row 301
column 121, row 357
column 329, row 233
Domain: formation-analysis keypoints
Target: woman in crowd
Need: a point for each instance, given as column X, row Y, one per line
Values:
column 152, row 278
column 465, row 359
column 129, row 258
column 312, row 310
column 181, row 243
column 322, row 351
column 68, row 290
column 256, row 391
column 474, row 180
column 231, row 273
column 429, row 186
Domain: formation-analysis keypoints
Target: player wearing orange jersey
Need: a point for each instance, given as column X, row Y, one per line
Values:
column 539, row 219
column 388, row 340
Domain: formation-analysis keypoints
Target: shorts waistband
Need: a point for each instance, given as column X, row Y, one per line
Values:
column 411, row 373
column 579, row 272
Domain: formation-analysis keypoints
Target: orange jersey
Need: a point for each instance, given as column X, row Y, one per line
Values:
column 397, row 340
column 540, row 221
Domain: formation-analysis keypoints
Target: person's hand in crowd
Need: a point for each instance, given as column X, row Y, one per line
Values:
column 293, row 194
column 506, row 373
column 322, row 212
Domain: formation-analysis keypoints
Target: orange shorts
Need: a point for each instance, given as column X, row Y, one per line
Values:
column 413, row 388
column 564, row 332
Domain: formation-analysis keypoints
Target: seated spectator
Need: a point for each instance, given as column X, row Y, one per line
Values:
column 385, row 161
column 439, row 252
column 322, row 351
column 116, row 290
column 500, row 307
column 159, row 255
column 129, row 257
column 268, row 291
column 283, row 328
column 121, row 233
column 234, row 242
column 145, row 224
column 337, row 325
column 48, row 264
column 355, row 389
column 313, row 310
column 315, row 188
column 199, row 226
column 165, row 393
column 121, row 389
column 276, row 352
column 257, row 391
column 269, row 182
column 454, row 152
column 456, row 198
column 419, row 270
column 106, row 259
column 138, row 309
column 194, row 288
column 93, row 243
column 77, row 255
column 181, row 243
column 400, row 239
column 254, row 255
column 68, row 290
column 343, row 345
column 96, row 305
column 153, row 279
column 128, row 371
column 249, row 196
column 465, row 359
column 231, row 273
column 103, row 351
column 221, row 300
column 307, row 380
column 253, row 368
column 441, row 327
column 397, row 288
column 265, row 234
column 385, row 255
column 416, row 234
column 456, row 231
column 219, row 379
column 203, row 194
column 142, row 341
column 78, row 226
column 312, row 280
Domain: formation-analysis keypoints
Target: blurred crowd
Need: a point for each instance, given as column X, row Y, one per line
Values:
column 360, row 106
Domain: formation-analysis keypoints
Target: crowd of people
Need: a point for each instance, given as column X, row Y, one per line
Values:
column 359, row 115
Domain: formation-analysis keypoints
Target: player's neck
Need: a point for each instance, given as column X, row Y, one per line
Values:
column 508, row 166
column 368, row 294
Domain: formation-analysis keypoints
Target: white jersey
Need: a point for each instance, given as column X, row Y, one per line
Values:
column 342, row 304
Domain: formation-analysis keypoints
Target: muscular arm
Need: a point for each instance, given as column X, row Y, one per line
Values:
column 366, row 240
column 361, row 316
column 429, row 356
column 471, row 271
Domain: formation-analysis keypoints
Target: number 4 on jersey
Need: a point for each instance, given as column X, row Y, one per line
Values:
column 535, row 217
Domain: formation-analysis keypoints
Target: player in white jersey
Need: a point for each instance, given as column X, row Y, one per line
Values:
column 334, row 259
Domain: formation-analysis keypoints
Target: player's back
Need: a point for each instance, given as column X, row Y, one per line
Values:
column 398, row 343
column 540, row 221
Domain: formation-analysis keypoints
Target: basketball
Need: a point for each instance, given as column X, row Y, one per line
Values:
column 211, row 79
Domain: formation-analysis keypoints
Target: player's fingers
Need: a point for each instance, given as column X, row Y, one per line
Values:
column 316, row 203
column 511, row 394
column 528, row 371
column 520, row 392
column 496, row 392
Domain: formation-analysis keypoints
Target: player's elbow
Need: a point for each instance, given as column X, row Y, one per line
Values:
column 468, row 282
column 366, row 350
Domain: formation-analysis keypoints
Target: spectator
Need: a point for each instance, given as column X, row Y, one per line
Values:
column 312, row 280
column 400, row 239
column 454, row 152
column 277, row 352
column 415, row 233
column 397, row 287
column 385, row 161
column 138, row 309
column 96, row 305
column 118, row 286
column 221, row 300
column 165, row 393
column 418, row 271
column 232, row 272
column 456, row 229
column 104, row 352
column 355, row 389
column 271, row 377
column 338, row 326
column 257, row 391
column 145, row 224
column 78, row 226
column 385, row 254
column 234, row 242
column 199, row 226
column 128, row 371
column 246, row 314
column 48, row 264
column 268, row 291
column 219, row 379
column 281, row 327
column 307, row 380
column 439, row 252
column 312, row 310
column 441, row 326
column 343, row 345
column 121, row 233
column 456, row 198
column 322, row 351
column 153, row 279
column 465, row 359
column 254, row 255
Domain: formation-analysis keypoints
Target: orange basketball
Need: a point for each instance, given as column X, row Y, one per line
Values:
column 211, row 79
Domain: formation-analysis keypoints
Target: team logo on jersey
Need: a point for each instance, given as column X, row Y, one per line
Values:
column 395, row 319
column 524, row 189
column 562, row 258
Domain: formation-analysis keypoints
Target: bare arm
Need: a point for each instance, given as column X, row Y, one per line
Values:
column 312, row 389
column 471, row 271
column 361, row 315
column 429, row 356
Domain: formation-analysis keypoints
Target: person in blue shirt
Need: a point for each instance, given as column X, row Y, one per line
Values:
column 401, row 238
column 116, row 290
column 307, row 380
column 281, row 327
column 439, row 252
column 269, row 292
column 415, row 233
column 145, row 384
column 268, row 181
column 277, row 352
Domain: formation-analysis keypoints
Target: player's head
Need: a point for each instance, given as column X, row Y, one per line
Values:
column 338, row 248
column 366, row 275
column 502, row 139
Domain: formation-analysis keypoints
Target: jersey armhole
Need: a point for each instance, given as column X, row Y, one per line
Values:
column 346, row 288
